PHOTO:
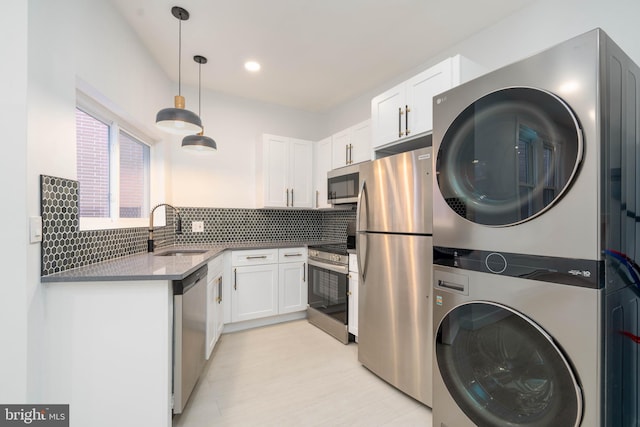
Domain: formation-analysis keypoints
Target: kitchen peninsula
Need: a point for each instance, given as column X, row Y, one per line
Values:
column 110, row 328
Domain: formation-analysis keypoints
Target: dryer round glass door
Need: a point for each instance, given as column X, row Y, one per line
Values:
column 509, row 156
column 503, row 369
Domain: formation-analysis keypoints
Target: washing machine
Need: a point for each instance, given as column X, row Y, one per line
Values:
column 536, row 248
column 514, row 352
column 518, row 352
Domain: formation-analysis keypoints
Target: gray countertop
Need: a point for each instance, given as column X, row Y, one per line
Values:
column 150, row 266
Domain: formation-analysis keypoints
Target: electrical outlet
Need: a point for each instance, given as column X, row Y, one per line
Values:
column 197, row 226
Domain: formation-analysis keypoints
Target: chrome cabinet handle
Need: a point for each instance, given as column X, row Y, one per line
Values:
column 292, row 197
column 304, row 272
column 288, row 255
column 406, row 120
column 287, row 197
column 346, row 154
column 256, row 257
column 317, row 198
column 351, row 153
column 400, row 113
column 235, row 279
column 219, row 289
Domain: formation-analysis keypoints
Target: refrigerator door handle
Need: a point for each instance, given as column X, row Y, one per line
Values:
column 361, row 250
column 360, row 231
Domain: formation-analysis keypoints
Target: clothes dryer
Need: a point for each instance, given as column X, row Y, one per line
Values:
column 529, row 157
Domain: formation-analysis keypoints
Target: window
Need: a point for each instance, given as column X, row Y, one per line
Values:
column 113, row 170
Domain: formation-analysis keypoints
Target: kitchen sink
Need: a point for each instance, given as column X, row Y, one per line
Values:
column 182, row 252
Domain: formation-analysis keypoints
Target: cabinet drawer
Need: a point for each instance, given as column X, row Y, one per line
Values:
column 292, row 254
column 254, row 257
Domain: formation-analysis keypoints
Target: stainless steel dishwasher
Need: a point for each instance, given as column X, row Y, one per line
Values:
column 189, row 334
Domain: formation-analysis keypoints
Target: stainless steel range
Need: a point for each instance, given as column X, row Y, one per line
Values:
column 328, row 289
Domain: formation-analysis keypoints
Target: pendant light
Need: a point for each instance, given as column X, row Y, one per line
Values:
column 199, row 142
column 178, row 120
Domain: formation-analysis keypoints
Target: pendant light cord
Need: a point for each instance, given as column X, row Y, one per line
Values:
column 179, row 56
column 199, row 87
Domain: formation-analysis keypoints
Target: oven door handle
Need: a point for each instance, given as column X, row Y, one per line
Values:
column 343, row 269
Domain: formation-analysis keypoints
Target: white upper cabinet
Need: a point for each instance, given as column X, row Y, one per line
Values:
column 287, row 172
column 322, row 165
column 406, row 110
column 361, row 142
column 352, row 145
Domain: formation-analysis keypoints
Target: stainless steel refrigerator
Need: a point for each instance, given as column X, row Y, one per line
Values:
column 395, row 254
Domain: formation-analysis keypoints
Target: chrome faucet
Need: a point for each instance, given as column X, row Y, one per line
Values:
column 150, row 243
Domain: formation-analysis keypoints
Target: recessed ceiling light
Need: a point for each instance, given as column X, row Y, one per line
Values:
column 252, row 66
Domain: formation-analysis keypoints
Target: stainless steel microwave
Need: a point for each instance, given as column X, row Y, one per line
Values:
column 343, row 185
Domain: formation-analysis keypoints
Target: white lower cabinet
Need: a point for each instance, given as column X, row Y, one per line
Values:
column 352, row 305
column 268, row 282
column 215, row 311
column 292, row 280
column 255, row 292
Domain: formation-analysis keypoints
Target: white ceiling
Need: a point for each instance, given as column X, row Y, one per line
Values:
column 314, row 54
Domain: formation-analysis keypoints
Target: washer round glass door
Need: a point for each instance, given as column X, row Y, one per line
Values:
column 504, row 370
column 509, row 156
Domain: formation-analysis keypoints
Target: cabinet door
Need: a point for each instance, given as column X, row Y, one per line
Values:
column 292, row 292
column 301, row 173
column 321, row 167
column 275, row 170
column 387, row 124
column 254, row 292
column 352, row 304
column 211, row 317
column 219, row 310
column 360, row 147
column 215, row 315
column 420, row 90
column 340, row 148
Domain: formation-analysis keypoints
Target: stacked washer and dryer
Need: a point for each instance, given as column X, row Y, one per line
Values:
column 536, row 239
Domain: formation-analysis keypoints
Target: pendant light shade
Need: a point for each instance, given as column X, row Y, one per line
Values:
column 177, row 119
column 199, row 142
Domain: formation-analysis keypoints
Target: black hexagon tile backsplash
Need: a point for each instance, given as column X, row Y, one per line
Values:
column 65, row 247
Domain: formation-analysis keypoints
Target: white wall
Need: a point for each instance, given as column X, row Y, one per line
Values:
column 13, row 168
column 539, row 26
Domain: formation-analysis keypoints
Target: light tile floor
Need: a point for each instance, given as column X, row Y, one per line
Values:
column 294, row 374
